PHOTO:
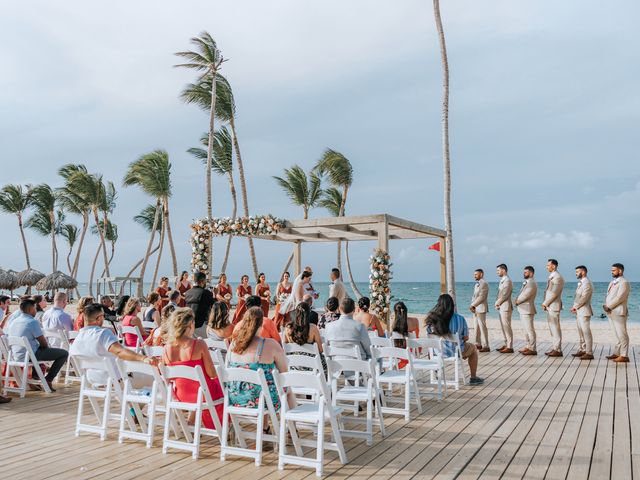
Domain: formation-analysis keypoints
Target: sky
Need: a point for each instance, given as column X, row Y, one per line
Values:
column 544, row 115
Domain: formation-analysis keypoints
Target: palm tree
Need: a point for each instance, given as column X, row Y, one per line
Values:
column 152, row 173
column 200, row 94
column 446, row 158
column 208, row 60
column 15, row 200
column 70, row 232
column 44, row 200
column 222, row 165
column 111, row 236
column 301, row 190
column 109, row 233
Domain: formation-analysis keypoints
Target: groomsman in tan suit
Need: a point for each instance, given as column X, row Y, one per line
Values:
column 479, row 307
column 582, row 309
column 552, row 304
column 526, row 304
column 505, row 307
column 616, row 307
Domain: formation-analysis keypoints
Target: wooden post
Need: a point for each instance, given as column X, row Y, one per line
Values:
column 297, row 257
column 383, row 244
column 443, row 267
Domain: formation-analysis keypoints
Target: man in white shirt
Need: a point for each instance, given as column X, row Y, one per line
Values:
column 583, row 312
column 616, row 306
column 56, row 318
column 552, row 304
column 336, row 289
column 479, row 307
column 525, row 303
column 505, row 307
column 4, row 306
column 97, row 342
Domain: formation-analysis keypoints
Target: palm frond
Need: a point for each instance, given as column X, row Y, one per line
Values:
column 331, row 200
column 336, row 167
column 146, row 218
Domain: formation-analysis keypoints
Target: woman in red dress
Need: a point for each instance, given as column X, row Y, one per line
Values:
column 183, row 286
column 183, row 349
column 243, row 291
column 264, row 292
column 163, row 290
column 223, row 290
column 282, row 293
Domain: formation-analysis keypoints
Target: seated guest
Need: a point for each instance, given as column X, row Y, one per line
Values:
column 443, row 321
column 313, row 315
column 152, row 312
column 158, row 336
column 130, row 319
column 56, row 318
column 268, row 328
column 403, row 323
column 370, row 321
column 107, row 306
column 183, row 349
column 219, row 326
column 122, row 302
column 300, row 330
column 5, row 301
column 41, row 304
column 248, row 350
column 9, row 319
column 25, row 325
column 174, row 299
column 95, row 341
column 346, row 331
column 79, row 323
column 330, row 312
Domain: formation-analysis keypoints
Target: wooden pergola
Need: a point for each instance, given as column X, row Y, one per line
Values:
column 380, row 228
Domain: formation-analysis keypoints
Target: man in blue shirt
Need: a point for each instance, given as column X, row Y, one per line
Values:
column 346, row 331
column 25, row 325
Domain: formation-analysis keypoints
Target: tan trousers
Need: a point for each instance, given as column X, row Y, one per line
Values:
column 482, row 332
column 619, row 326
column 584, row 332
column 553, row 319
column 505, row 324
column 529, row 330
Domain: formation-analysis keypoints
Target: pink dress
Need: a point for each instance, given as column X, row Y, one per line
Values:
column 130, row 338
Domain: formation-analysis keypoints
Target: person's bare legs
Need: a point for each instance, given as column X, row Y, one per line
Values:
column 473, row 363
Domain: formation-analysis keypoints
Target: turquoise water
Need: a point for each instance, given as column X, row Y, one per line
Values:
column 421, row 296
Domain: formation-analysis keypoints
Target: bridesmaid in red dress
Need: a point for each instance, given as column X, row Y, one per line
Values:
column 183, row 286
column 264, row 292
column 243, row 290
column 282, row 292
column 163, row 290
column 223, row 290
column 183, row 349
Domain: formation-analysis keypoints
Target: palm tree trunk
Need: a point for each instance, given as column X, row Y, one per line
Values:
column 243, row 189
column 212, row 118
column 446, row 158
column 85, row 225
column 113, row 251
column 24, row 241
column 69, row 260
column 234, row 199
column 53, row 247
column 287, row 265
column 167, row 222
column 130, row 272
column 105, row 258
column 356, row 292
column 155, row 271
column 341, row 214
column 93, row 269
column 147, row 254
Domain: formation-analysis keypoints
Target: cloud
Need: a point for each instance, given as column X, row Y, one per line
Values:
column 532, row 241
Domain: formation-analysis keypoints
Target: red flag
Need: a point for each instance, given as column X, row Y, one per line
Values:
column 435, row 246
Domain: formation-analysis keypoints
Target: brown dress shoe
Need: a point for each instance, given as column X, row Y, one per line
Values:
column 622, row 359
column 579, row 353
column 611, row 357
column 501, row 348
column 484, row 349
column 522, row 350
column 554, row 353
column 530, row 352
column 586, row 356
column 478, row 346
column 506, row 350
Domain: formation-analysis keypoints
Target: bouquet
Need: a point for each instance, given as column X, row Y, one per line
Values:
column 267, row 294
column 283, row 297
column 227, row 296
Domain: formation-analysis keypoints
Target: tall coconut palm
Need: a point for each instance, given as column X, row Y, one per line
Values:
column 70, row 233
column 152, row 173
column 207, row 59
column 111, row 236
column 16, row 200
column 222, row 165
column 200, row 94
column 332, row 200
column 301, row 189
column 446, row 157
column 44, row 199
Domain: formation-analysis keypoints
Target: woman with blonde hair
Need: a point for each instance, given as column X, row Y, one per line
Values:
column 219, row 327
column 82, row 303
column 158, row 336
column 183, row 349
column 130, row 319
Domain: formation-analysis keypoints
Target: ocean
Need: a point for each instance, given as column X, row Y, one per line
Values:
column 420, row 297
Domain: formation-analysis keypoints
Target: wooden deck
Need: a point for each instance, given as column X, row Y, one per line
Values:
column 535, row 417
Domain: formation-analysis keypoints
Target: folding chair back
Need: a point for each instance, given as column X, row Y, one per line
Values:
column 148, row 325
column 153, row 351
column 381, row 341
column 294, row 348
column 343, row 352
column 216, row 344
column 427, row 358
column 134, row 330
column 18, row 368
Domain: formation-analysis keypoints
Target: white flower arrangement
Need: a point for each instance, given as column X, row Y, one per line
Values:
column 379, row 280
column 283, row 297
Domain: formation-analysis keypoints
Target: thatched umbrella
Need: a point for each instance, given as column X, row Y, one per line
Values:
column 29, row 277
column 56, row 281
column 8, row 280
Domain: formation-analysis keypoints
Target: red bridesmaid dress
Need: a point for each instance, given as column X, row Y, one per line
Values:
column 241, row 308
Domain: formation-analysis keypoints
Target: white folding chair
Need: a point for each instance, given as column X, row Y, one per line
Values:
column 304, row 358
column 204, row 402
column 217, row 349
column 394, row 376
column 247, row 414
column 5, row 369
column 351, row 351
column 455, row 360
column 57, row 337
column 71, row 370
column 134, row 330
column 148, row 325
column 317, row 414
column 381, row 341
column 366, row 390
column 100, row 380
column 151, row 351
column 427, row 358
column 18, row 368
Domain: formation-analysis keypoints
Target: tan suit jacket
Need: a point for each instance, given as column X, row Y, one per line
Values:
column 582, row 302
column 553, row 292
column 505, row 289
column 526, row 299
column 480, row 295
column 618, row 296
